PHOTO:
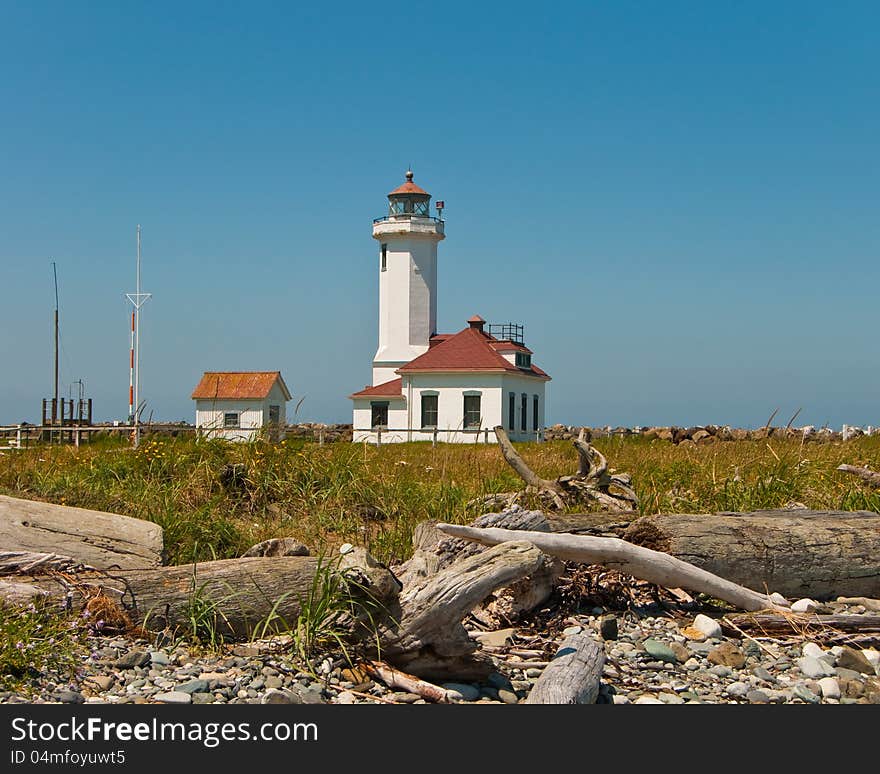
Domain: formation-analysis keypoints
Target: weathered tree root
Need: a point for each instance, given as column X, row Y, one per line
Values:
column 868, row 476
column 643, row 563
column 593, row 483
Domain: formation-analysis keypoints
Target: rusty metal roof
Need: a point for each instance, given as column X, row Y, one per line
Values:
column 241, row 385
column 392, row 389
column 409, row 187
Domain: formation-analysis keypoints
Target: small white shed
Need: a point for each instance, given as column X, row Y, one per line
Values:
column 239, row 405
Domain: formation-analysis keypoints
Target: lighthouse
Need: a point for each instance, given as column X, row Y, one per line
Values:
column 408, row 238
column 439, row 387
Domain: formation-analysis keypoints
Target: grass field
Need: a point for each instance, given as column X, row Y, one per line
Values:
column 327, row 495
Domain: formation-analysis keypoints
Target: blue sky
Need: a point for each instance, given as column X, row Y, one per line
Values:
column 678, row 200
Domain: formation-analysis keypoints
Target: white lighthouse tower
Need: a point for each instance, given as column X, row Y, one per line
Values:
column 408, row 238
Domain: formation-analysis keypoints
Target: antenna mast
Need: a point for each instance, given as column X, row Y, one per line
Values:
column 137, row 299
column 55, row 404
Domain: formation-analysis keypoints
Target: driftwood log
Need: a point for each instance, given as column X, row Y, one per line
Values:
column 402, row 681
column 573, row 675
column 593, row 483
column 643, row 563
column 102, row 540
column 868, row 476
column 242, row 591
column 816, row 554
column 418, row 629
column 793, row 624
column 430, row 640
column 435, row 551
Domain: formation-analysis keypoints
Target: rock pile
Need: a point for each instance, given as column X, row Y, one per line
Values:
column 707, row 434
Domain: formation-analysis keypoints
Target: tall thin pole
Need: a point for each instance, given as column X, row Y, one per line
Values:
column 138, row 299
column 55, row 404
column 137, row 345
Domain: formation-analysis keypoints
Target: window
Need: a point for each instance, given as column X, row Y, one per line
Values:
column 524, row 403
column 471, row 412
column 429, row 411
column 535, row 412
column 511, row 411
column 384, row 256
column 379, row 419
column 523, row 360
column 421, row 208
column 274, row 415
column 230, row 419
column 396, row 207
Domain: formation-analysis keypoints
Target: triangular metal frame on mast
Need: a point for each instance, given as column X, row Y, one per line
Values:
column 138, row 299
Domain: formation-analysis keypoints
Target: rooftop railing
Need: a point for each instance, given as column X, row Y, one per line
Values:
column 507, row 332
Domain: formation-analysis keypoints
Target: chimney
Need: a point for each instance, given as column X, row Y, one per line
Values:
column 476, row 322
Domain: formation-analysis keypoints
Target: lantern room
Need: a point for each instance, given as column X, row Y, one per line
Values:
column 409, row 200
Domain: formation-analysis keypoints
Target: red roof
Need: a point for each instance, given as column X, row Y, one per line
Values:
column 409, row 187
column 468, row 350
column 392, row 389
column 504, row 345
column 246, row 385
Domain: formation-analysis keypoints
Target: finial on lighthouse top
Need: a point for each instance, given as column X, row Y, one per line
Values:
column 409, row 187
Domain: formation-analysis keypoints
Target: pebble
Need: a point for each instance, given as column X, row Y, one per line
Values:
column 101, row 682
column 173, row 697
column 274, row 696
column 404, row 697
column 727, row 654
column 69, row 697
column 652, row 661
column 802, row 692
column 695, row 635
column 608, row 628
column 132, row 659
column 465, row 691
column 805, row 606
column 708, row 626
column 813, row 667
column 660, row 651
column 569, row 631
column 873, row 658
column 830, row 688
column 850, row 658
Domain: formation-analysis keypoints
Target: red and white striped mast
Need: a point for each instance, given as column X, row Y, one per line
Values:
column 137, row 299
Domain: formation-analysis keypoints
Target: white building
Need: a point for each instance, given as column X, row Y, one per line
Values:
column 430, row 386
column 239, row 405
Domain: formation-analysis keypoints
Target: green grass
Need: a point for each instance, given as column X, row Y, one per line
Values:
column 327, row 495
column 35, row 640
